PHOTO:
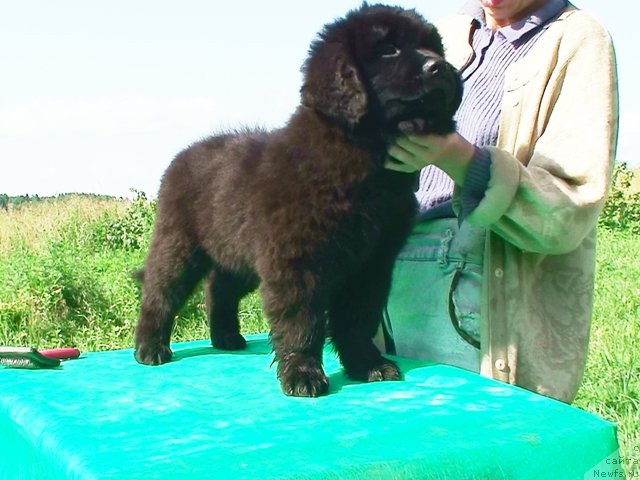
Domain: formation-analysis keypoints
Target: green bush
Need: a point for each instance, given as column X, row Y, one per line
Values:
column 130, row 231
column 622, row 210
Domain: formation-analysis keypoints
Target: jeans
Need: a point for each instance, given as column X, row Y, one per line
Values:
column 433, row 311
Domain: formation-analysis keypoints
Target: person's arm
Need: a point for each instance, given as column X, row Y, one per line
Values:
column 550, row 204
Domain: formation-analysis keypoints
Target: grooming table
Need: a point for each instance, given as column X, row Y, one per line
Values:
column 211, row 414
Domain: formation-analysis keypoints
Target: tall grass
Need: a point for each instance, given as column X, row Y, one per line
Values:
column 59, row 283
column 611, row 386
column 35, row 225
column 66, row 275
column 65, row 279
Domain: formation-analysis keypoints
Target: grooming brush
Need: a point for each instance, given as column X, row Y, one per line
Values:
column 29, row 357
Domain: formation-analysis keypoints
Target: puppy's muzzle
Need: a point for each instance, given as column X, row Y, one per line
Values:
column 432, row 66
column 440, row 81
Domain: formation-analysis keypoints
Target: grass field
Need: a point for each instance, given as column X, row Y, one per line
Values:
column 65, row 279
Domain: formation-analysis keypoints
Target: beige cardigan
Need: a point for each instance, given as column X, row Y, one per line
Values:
column 550, row 175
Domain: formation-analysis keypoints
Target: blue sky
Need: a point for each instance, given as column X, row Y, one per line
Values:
column 98, row 97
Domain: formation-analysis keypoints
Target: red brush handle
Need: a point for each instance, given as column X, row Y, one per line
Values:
column 60, row 353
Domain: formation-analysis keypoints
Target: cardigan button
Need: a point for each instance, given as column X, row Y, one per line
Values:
column 498, row 272
column 500, row 364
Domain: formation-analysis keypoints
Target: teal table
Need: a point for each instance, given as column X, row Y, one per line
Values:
column 217, row 415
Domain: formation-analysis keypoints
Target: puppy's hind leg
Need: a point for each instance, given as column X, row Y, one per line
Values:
column 173, row 269
column 223, row 291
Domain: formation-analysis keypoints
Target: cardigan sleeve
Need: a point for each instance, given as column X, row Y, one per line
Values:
column 551, row 170
column 475, row 183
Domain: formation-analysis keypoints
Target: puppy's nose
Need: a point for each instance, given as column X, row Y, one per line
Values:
column 431, row 66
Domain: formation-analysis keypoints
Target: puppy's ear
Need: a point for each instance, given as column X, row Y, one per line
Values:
column 332, row 85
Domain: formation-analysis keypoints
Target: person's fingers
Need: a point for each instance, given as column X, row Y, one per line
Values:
column 396, row 166
column 420, row 148
column 396, row 152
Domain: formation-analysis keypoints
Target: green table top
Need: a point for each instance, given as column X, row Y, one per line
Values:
column 218, row 415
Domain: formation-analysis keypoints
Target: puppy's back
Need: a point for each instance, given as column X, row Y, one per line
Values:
column 205, row 192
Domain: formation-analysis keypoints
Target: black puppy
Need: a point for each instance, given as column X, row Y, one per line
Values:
column 306, row 212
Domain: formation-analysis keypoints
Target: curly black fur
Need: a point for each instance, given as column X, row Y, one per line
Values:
column 306, row 212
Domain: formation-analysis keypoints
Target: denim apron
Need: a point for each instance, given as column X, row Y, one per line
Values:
column 433, row 311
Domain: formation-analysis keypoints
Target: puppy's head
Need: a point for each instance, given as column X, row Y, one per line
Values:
column 383, row 65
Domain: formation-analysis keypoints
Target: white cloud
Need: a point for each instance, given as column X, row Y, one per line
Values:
column 104, row 116
column 106, row 145
column 107, row 116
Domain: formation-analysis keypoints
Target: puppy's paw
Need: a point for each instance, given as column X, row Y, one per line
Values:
column 382, row 369
column 306, row 384
column 387, row 370
column 302, row 377
column 153, row 354
column 229, row 341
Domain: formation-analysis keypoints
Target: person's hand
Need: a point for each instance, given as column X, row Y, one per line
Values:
column 451, row 153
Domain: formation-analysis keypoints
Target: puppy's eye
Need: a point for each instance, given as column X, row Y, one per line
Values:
column 388, row 50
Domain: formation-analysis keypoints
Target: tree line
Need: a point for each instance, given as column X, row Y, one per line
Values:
column 7, row 201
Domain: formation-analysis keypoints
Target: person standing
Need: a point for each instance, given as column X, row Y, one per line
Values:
column 498, row 275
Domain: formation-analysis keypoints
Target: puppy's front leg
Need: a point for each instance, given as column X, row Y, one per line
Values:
column 354, row 317
column 297, row 335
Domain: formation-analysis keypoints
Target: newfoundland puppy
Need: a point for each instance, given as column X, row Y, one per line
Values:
column 308, row 212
